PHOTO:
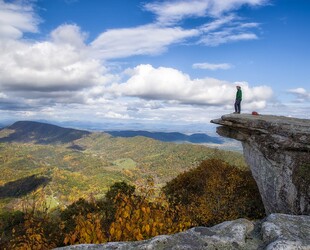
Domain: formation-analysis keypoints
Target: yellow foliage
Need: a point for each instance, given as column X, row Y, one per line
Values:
column 33, row 239
column 88, row 230
column 211, row 193
column 215, row 192
column 137, row 218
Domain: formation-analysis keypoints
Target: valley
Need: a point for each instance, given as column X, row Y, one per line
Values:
column 87, row 164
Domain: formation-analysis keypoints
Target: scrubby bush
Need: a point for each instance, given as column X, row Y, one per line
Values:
column 214, row 192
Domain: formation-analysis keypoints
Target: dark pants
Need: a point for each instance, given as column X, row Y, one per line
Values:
column 238, row 106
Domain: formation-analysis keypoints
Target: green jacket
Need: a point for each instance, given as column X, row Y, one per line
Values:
column 239, row 95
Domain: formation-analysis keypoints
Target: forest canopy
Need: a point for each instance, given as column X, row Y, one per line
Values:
column 213, row 192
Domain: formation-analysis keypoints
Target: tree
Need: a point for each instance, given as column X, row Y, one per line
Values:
column 214, row 192
column 38, row 229
column 119, row 187
column 87, row 230
column 138, row 218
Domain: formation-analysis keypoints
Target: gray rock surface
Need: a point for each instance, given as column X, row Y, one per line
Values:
column 281, row 231
column 276, row 232
column 277, row 149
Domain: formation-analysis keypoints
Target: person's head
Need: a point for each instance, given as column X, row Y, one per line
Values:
column 238, row 87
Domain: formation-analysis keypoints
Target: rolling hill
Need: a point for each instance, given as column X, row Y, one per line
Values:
column 44, row 133
column 74, row 163
column 41, row 133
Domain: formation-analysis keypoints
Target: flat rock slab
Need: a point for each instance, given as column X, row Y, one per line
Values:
column 294, row 129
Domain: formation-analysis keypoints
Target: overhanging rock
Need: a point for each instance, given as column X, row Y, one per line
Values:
column 277, row 149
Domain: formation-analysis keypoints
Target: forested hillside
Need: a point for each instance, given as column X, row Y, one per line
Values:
column 37, row 132
column 210, row 193
column 44, row 186
column 104, row 160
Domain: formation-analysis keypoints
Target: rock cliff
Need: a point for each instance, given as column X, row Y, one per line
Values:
column 277, row 149
column 277, row 231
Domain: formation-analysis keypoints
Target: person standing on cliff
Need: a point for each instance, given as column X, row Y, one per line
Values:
column 238, row 100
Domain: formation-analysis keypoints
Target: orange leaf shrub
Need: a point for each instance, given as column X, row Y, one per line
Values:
column 215, row 192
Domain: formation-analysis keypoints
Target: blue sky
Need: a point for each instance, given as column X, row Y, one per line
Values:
column 168, row 61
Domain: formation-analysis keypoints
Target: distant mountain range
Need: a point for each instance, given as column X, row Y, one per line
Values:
column 168, row 136
column 44, row 133
column 41, row 133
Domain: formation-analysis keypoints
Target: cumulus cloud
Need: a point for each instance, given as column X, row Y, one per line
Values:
column 63, row 76
column 212, row 66
column 69, row 34
column 142, row 40
column 169, row 84
column 301, row 94
column 61, row 64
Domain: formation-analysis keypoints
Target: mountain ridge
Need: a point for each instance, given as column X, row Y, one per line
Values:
column 46, row 133
column 40, row 133
column 167, row 136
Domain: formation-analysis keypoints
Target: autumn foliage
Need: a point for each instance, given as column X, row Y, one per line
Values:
column 215, row 192
column 87, row 229
column 138, row 218
column 37, row 230
column 211, row 193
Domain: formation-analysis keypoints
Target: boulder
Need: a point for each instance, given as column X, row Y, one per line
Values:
column 275, row 232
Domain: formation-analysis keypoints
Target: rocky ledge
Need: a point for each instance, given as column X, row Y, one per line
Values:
column 276, row 232
column 277, row 149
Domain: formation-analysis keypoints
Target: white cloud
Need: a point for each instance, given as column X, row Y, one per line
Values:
column 114, row 115
column 142, row 40
column 299, row 91
column 301, row 94
column 3, row 96
column 63, row 77
column 155, row 38
column 69, row 34
column 57, row 65
column 218, row 23
column 169, row 12
column 228, row 30
column 212, row 66
column 225, row 26
column 169, row 84
column 16, row 19
column 172, row 11
column 220, row 7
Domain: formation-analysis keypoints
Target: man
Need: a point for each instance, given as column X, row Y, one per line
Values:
column 238, row 100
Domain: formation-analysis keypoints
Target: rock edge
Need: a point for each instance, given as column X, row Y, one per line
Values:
column 277, row 149
column 277, row 231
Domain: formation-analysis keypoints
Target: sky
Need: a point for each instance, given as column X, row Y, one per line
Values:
column 152, row 62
